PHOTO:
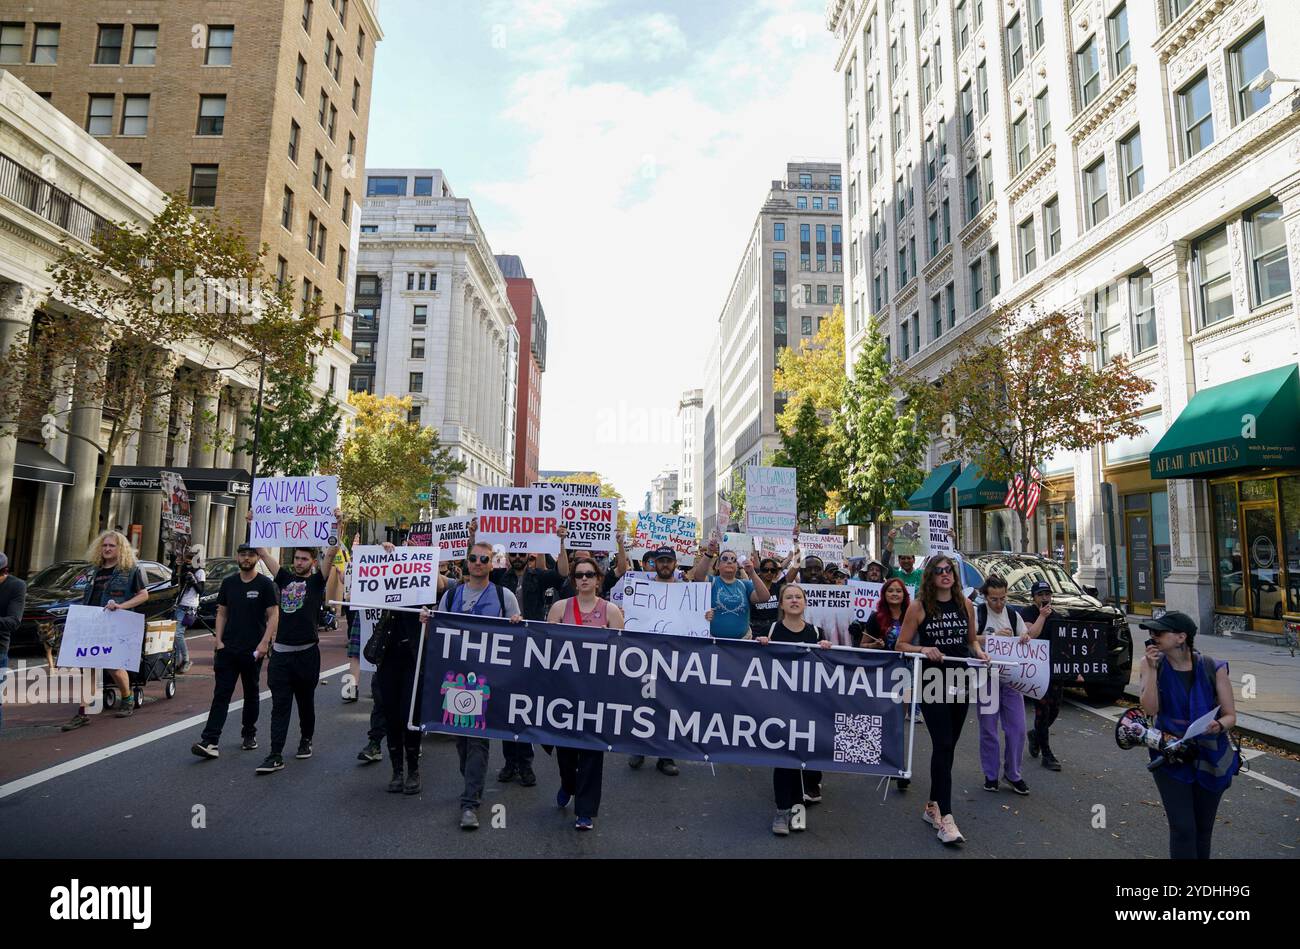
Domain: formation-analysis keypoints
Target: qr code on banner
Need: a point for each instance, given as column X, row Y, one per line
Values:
column 857, row 738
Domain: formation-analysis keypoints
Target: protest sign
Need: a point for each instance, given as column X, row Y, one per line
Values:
column 742, row 544
column 866, row 597
column 829, row 547
column 521, row 520
column 1028, row 667
column 666, row 530
column 406, row 577
column 940, row 532
column 96, row 638
column 369, row 616
column 781, row 705
column 778, row 547
column 295, row 512
column 771, row 504
column 830, row 608
column 1079, row 649
column 449, row 534
column 674, row 608
column 913, row 537
column 591, row 519
column 176, row 520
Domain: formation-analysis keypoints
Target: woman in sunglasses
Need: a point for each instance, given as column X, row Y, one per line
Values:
column 733, row 596
column 763, row 615
column 940, row 623
column 581, row 769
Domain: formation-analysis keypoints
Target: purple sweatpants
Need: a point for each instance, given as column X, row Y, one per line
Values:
column 1011, row 710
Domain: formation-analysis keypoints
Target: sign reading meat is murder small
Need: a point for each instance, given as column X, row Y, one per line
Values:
column 522, row 520
column 1079, row 649
column 406, row 576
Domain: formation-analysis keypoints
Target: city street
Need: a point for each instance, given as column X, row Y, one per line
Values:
column 143, row 801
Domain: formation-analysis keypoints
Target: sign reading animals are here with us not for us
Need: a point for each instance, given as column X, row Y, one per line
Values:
column 297, row 511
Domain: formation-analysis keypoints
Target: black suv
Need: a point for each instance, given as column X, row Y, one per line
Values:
column 1069, row 601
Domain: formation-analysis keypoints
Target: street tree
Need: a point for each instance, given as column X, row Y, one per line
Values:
column 607, row 490
column 813, row 373
column 299, row 433
column 1029, row 391
column 805, row 448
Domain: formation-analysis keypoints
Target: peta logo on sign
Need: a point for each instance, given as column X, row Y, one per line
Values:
column 76, row 902
column 392, row 598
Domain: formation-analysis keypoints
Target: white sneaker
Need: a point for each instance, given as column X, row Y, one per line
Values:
column 781, row 824
column 931, row 815
column 948, row 832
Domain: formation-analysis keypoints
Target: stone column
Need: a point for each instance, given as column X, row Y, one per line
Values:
column 182, row 412
column 1288, row 193
column 457, row 353
column 85, row 416
column 50, row 501
column 1090, row 521
column 1188, row 587
column 205, row 428
column 219, row 532
column 17, row 307
column 245, row 406
column 153, row 452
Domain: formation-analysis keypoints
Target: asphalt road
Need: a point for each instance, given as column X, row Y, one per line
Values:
column 143, row 802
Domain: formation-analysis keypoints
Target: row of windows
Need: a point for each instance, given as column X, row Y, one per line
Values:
column 211, row 120
column 806, row 296
column 801, row 203
column 943, row 305
column 394, row 186
column 779, row 329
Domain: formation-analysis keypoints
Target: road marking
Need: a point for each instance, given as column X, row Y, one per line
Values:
column 103, row 754
column 1113, row 712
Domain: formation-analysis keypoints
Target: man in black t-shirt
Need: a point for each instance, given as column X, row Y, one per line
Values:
column 247, row 615
column 1049, row 706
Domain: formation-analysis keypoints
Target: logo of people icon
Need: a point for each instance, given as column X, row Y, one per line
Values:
column 464, row 698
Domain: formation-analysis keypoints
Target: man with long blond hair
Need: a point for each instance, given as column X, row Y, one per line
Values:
column 116, row 583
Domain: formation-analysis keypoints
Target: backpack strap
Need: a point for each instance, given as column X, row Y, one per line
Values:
column 982, row 618
column 501, row 599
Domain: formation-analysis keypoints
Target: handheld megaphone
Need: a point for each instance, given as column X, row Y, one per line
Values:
column 1133, row 730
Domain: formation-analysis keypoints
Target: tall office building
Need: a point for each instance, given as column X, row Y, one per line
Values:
column 530, row 322
column 690, row 418
column 1134, row 163
column 663, row 490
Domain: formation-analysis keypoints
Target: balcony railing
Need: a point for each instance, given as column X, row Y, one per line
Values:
column 23, row 186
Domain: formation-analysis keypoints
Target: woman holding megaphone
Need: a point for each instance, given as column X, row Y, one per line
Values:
column 1179, row 686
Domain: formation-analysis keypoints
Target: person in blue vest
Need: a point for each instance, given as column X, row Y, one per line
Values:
column 477, row 596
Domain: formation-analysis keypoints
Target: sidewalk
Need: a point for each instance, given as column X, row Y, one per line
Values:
column 1273, row 712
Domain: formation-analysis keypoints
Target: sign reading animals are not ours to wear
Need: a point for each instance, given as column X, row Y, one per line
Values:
column 771, row 502
column 297, row 511
column 408, row 576
column 522, row 520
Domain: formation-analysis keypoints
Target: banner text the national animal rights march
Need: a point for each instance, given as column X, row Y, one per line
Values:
column 733, row 702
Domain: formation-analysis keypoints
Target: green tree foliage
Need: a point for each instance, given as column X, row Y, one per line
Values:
column 805, row 449
column 299, row 434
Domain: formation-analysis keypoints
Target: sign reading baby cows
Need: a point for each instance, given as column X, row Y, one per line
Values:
column 295, row 512
column 522, row 520
column 406, row 577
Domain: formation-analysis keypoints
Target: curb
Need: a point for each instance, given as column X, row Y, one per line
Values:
column 1262, row 728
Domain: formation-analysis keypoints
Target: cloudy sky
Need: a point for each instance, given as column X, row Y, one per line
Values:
column 622, row 148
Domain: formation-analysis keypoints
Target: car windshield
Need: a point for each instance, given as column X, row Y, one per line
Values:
column 219, row 569
column 1021, row 573
column 58, row 576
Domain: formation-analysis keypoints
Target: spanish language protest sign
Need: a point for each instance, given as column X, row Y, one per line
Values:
column 408, row 576
column 591, row 519
column 829, row 547
column 830, row 608
column 676, row 609
column 1026, row 667
column 722, row 701
column 1079, row 648
column 771, row 504
column 96, row 638
column 295, row 512
column 522, row 520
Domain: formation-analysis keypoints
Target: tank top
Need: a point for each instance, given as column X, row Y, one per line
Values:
column 596, row 617
column 947, row 630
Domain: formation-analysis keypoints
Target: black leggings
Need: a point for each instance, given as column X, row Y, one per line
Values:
column 1190, row 810
column 396, row 679
column 943, row 720
column 1045, row 711
column 789, row 785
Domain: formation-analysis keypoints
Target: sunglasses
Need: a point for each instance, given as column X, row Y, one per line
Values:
column 727, row 560
column 586, row 575
column 478, row 558
column 769, row 569
column 942, row 571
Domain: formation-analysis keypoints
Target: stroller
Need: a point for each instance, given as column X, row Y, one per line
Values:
column 157, row 664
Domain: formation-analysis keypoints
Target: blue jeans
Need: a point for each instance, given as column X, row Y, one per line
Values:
column 181, row 651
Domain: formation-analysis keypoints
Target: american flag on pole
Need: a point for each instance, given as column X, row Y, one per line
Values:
column 1035, row 489
column 1015, row 493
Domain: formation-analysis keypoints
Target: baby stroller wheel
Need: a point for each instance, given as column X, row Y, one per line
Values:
column 170, row 689
column 110, row 697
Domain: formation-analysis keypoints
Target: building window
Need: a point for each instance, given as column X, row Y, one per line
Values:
column 995, row 271
column 933, row 230
column 967, row 111
column 1028, row 246
column 342, row 271
column 221, row 44
column 423, row 187
column 347, row 206
column 1177, row 7
column 426, row 228
column 1043, row 119
column 144, row 45
column 801, row 203
column 311, row 233
column 952, row 306
column 416, row 382
column 334, row 115
column 417, row 348
column 936, row 315
column 356, row 96
column 1020, row 141
column 306, row 15
column 947, row 221
column 11, row 42
column 817, row 204
column 986, row 172
column 45, row 44
column 832, row 204
column 778, row 261
column 805, row 326
column 972, row 194
column 1089, row 72
column 963, row 26
column 212, row 116
column 982, row 87
column 367, row 286
column 99, row 118
column 1142, row 311
column 300, row 77
column 294, row 131
column 135, row 115
column 203, row 186
column 281, row 272
column 1015, row 48
column 286, row 210
column 805, row 180
column 1212, row 277
column 821, row 293
column 1095, row 197
column 929, row 159
column 361, row 43
column 385, row 186
column 317, row 163
column 1195, row 114
column 1109, row 315
column 1037, row 34
column 927, row 87
column 108, row 48
column 837, row 294
column 1270, row 275
column 976, row 286
column 420, row 314
column 1120, row 52
column 1249, row 59
column 1052, row 227
column 1130, row 165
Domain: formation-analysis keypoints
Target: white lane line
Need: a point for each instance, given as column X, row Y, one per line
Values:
column 103, row 754
column 1112, row 713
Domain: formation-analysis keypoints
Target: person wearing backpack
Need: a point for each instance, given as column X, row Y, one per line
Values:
column 1179, row 685
column 994, row 617
column 793, row 786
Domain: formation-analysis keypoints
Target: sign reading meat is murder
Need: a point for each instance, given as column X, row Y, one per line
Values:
column 591, row 519
column 290, row 512
column 1079, row 649
column 407, row 576
column 522, row 520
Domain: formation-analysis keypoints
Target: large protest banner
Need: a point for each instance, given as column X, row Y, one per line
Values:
column 96, row 638
column 1026, row 667
column 406, row 577
column 591, row 519
column 289, row 512
column 830, row 608
column 666, row 530
column 520, row 519
column 780, row 705
column 1079, row 649
column 676, row 609
column 771, row 504
column 829, row 547
column 449, row 534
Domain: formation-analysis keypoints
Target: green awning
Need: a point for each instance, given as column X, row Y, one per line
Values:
column 848, row 515
column 975, row 490
column 932, row 495
column 1249, row 423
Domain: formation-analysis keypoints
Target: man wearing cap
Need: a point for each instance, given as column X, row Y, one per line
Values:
column 13, row 599
column 1049, row 706
column 247, row 616
column 665, row 561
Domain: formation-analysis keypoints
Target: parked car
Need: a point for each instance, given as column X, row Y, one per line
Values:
column 51, row 591
column 1069, row 602
column 217, row 569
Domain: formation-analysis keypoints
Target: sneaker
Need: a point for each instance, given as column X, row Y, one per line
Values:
column 1049, row 761
column 250, row 744
column 304, row 749
column 469, row 819
column 186, row 666
column 583, row 823
column 781, row 824
column 1033, row 745
column 990, row 784
column 127, row 709
column 903, row 783
column 508, row 773
column 75, row 722
column 371, row 753
column 271, row 764
column 205, row 749
column 948, row 832
column 562, row 798
column 1020, row 787
column 526, row 777
column 668, row 767
column 931, row 814
column 412, row 783
column 396, row 785
column 635, row 761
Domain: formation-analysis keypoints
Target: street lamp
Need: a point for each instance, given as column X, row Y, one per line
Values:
column 1264, row 80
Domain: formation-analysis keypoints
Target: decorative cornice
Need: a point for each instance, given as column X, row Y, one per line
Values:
column 982, row 226
column 936, row 264
column 906, row 297
column 1034, row 172
column 1210, row 28
column 1123, row 88
column 1187, row 27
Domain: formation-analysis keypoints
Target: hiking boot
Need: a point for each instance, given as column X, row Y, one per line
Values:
column 205, row 749
column 371, row 753
column 412, row 783
column 127, row 709
column 781, row 824
column 396, row 785
column 948, row 832
column 75, row 722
